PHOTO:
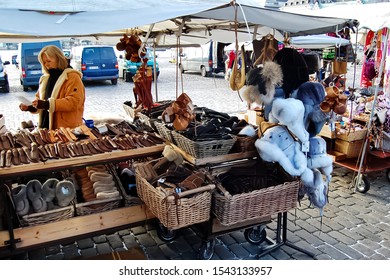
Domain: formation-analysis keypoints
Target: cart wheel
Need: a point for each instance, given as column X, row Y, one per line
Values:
column 255, row 235
column 165, row 234
column 206, row 250
column 364, row 185
column 388, row 174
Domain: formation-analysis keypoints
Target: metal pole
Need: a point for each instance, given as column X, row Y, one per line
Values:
column 377, row 80
column 154, row 69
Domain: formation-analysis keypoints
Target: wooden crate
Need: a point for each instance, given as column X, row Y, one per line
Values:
column 352, row 135
column 350, row 148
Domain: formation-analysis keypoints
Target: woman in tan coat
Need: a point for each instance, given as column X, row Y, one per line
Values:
column 61, row 93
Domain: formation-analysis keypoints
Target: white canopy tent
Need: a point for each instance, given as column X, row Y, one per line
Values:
column 195, row 21
column 304, row 42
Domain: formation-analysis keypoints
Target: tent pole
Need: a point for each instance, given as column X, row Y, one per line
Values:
column 154, row 69
column 384, row 51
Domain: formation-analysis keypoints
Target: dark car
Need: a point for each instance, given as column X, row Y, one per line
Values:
column 96, row 62
column 4, row 85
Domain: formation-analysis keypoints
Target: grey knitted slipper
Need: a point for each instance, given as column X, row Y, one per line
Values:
column 19, row 195
column 34, row 194
column 49, row 189
column 65, row 193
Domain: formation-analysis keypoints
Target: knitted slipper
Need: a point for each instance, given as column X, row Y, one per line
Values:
column 107, row 194
column 34, row 194
column 19, row 195
column 65, row 193
column 49, row 189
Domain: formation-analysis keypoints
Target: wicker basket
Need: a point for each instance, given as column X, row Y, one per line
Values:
column 176, row 213
column 128, row 200
column 129, row 110
column 164, row 132
column 100, row 205
column 203, row 149
column 230, row 209
column 49, row 216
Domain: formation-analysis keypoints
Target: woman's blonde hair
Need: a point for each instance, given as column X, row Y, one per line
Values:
column 53, row 52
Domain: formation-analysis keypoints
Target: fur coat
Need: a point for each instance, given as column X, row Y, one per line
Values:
column 66, row 101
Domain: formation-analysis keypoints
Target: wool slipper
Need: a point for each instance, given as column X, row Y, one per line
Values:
column 107, row 194
column 34, row 194
column 65, row 193
column 49, row 189
column 19, row 195
column 103, row 177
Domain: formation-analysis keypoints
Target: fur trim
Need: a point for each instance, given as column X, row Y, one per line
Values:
column 262, row 82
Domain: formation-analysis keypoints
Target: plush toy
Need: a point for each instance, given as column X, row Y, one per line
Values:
column 277, row 145
column 261, row 83
column 317, row 158
column 312, row 94
column 290, row 112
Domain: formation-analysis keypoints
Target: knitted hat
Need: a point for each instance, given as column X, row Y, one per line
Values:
column 261, row 83
column 312, row 94
column 294, row 69
column 277, row 145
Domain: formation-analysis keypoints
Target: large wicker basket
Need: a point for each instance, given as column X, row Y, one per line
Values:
column 188, row 208
column 203, row 149
column 230, row 209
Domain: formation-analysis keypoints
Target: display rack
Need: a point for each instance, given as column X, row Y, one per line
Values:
column 17, row 240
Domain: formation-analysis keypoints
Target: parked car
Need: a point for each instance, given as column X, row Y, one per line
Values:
column 4, row 85
column 206, row 59
column 132, row 67
column 96, row 62
column 29, row 67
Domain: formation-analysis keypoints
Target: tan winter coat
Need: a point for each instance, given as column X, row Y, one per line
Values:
column 66, row 101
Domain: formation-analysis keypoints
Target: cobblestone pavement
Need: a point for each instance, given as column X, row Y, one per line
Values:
column 353, row 226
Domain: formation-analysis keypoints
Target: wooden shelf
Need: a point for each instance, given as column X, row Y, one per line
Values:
column 58, row 164
column 74, row 227
column 215, row 159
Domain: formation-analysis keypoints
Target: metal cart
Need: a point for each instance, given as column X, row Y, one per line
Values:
column 373, row 162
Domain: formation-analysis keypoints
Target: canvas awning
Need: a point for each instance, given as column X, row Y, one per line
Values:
column 196, row 21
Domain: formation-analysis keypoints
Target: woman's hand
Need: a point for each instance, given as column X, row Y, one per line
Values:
column 23, row 107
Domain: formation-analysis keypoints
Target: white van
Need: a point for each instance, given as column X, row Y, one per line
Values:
column 206, row 59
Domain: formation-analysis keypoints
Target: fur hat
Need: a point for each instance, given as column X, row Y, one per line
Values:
column 261, row 83
column 294, row 68
column 277, row 145
column 317, row 190
column 290, row 112
column 312, row 94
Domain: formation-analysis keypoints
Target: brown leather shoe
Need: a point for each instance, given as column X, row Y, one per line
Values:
column 15, row 157
column 28, row 153
column 66, row 150
column 5, row 141
column 8, row 158
column 38, row 138
column 85, row 148
column 23, row 156
column 34, row 153
column 2, row 158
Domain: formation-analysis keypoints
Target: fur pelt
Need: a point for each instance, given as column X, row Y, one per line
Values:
column 290, row 112
column 261, row 83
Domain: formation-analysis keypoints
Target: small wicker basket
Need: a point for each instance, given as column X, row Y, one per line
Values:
column 100, row 205
column 128, row 200
column 176, row 211
column 49, row 216
column 164, row 132
column 203, row 149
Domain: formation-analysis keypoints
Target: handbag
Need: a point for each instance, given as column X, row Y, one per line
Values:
column 339, row 67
